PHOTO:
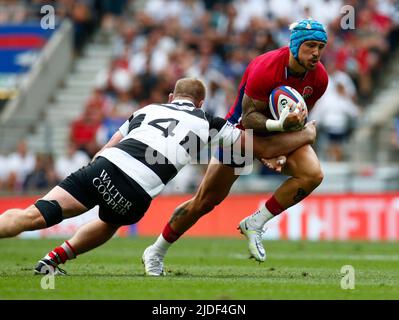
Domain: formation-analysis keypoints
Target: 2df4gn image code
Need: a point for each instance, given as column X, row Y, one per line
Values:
column 208, row 309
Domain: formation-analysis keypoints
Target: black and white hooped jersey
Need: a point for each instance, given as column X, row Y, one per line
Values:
column 159, row 139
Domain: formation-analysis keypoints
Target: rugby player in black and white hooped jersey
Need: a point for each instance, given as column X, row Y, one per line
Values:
column 145, row 153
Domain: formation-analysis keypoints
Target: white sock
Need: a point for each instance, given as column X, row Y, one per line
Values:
column 69, row 250
column 259, row 218
column 161, row 245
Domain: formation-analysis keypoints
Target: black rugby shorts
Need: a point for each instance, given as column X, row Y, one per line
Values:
column 121, row 200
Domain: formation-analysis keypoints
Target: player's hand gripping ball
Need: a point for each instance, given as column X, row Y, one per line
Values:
column 284, row 96
column 288, row 108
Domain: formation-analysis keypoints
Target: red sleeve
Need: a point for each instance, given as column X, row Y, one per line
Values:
column 257, row 85
column 319, row 89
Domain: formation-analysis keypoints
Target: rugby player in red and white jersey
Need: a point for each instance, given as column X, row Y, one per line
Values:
column 298, row 66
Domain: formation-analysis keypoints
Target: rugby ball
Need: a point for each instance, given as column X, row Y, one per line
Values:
column 282, row 96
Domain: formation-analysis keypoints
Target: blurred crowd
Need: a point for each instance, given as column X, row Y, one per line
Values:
column 25, row 171
column 156, row 42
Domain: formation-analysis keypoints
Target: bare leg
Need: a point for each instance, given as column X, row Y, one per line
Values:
column 15, row 221
column 214, row 189
column 304, row 169
column 306, row 175
column 92, row 235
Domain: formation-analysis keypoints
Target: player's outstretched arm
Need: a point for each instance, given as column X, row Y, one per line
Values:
column 281, row 144
column 115, row 139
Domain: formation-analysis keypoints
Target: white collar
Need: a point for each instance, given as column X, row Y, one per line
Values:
column 183, row 101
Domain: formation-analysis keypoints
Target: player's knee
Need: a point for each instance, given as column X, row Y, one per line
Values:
column 319, row 177
column 34, row 219
column 314, row 179
column 48, row 211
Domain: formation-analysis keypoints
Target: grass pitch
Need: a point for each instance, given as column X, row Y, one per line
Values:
column 205, row 269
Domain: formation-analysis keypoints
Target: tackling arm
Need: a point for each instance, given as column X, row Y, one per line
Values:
column 115, row 139
column 118, row 136
column 277, row 145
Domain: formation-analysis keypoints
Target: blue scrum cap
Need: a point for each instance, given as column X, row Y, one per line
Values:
column 305, row 30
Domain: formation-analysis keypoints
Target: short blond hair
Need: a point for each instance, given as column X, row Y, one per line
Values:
column 191, row 88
